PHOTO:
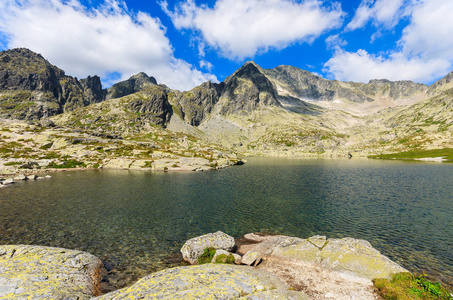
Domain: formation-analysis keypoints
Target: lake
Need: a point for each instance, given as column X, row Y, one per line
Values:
column 137, row 221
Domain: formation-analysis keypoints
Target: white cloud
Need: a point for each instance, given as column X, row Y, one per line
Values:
column 429, row 34
column 386, row 13
column 335, row 42
column 240, row 29
column 361, row 66
column 423, row 54
column 99, row 41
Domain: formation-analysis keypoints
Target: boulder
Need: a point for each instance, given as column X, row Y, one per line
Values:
column 47, row 123
column 297, row 249
column 38, row 272
column 358, row 257
column 8, row 181
column 209, row 281
column 20, row 177
column 194, row 247
column 347, row 255
column 237, row 259
column 221, row 252
column 251, row 258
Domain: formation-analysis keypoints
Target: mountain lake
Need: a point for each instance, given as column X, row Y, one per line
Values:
column 137, row 221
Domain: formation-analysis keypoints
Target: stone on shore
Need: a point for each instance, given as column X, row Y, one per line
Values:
column 251, row 258
column 194, row 247
column 345, row 255
column 38, row 272
column 208, row 281
column 358, row 257
column 8, row 181
column 20, row 177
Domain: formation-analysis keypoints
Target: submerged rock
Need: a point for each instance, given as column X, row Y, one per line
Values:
column 38, row 272
column 209, row 281
column 194, row 247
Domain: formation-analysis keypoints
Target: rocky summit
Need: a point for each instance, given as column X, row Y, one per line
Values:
column 283, row 111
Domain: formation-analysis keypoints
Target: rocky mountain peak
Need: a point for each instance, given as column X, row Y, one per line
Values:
column 444, row 83
column 132, row 85
column 247, row 89
column 31, row 88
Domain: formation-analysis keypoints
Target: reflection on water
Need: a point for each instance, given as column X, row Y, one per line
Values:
column 137, row 221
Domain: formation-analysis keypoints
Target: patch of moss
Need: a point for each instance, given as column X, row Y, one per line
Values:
column 405, row 286
column 207, row 256
column 224, row 259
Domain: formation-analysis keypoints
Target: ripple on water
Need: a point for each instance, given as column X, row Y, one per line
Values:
column 137, row 221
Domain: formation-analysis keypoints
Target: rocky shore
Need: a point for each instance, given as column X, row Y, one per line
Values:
column 28, row 148
column 254, row 267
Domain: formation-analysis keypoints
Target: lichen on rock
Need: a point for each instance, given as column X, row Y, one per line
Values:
column 209, row 281
column 39, row 272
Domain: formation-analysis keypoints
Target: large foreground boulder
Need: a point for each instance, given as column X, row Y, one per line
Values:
column 348, row 255
column 194, row 247
column 38, row 272
column 209, row 281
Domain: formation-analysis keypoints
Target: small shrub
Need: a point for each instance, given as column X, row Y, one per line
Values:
column 207, row 256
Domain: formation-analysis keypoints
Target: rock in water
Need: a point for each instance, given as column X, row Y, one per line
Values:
column 38, row 272
column 194, row 247
column 209, row 281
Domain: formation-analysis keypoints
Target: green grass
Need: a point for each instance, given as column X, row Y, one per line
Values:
column 68, row 164
column 446, row 153
column 13, row 163
column 405, row 286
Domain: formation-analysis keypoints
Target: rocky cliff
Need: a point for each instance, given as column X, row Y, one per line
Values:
column 31, row 88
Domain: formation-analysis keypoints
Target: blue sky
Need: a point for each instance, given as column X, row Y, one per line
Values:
column 184, row 43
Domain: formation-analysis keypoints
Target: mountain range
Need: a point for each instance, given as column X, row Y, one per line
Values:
column 283, row 111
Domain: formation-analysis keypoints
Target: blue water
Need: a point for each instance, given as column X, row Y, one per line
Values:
column 137, row 221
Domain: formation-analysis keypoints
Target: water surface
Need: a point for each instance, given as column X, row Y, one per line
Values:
column 137, row 221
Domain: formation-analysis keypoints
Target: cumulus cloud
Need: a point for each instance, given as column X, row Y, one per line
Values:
column 104, row 40
column 423, row 53
column 385, row 13
column 361, row 66
column 241, row 29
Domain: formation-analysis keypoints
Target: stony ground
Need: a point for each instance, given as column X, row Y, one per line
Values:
column 27, row 147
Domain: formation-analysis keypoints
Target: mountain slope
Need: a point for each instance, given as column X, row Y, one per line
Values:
column 31, row 88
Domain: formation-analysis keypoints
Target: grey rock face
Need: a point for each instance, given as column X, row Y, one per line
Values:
column 305, row 85
column 132, row 85
column 194, row 247
column 31, row 88
column 153, row 106
column 195, row 105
